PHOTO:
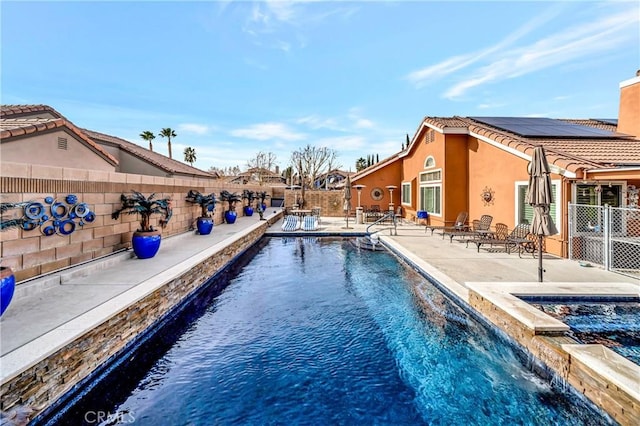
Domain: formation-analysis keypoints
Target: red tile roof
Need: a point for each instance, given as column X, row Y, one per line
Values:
column 567, row 153
column 14, row 111
column 161, row 161
column 16, row 127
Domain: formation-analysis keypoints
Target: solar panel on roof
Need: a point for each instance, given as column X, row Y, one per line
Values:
column 544, row 127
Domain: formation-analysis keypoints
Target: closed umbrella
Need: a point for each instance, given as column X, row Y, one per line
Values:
column 540, row 197
column 347, row 199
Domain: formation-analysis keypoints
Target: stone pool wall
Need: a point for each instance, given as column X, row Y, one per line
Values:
column 614, row 400
column 32, row 391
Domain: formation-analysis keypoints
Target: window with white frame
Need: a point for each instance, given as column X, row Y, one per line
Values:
column 429, row 162
column 406, row 192
column 431, row 190
column 524, row 211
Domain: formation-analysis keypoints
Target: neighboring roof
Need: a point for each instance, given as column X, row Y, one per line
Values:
column 570, row 154
column 161, row 161
column 16, row 127
column 14, row 111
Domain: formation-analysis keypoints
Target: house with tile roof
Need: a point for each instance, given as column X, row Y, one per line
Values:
column 38, row 134
column 480, row 165
column 258, row 175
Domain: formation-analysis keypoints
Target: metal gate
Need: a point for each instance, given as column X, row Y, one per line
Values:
column 607, row 236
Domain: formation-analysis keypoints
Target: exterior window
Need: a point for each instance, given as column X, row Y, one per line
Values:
column 431, row 192
column 429, row 163
column 406, row 193
column 430, row 199
column 524, row 212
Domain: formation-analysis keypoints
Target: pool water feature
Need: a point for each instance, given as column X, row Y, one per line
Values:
column 319, row 332
column 612, row 323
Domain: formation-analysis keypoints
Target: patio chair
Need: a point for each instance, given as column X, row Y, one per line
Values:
column 315, row 211
column 480, row 228
column 518, row 238
column 290, row 223
column 310, row 223
column 459, row 224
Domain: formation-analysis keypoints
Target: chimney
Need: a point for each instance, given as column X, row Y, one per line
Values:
column 629, row 112
column 277, row 170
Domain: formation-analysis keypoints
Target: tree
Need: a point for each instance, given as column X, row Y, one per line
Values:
column 310, row 162
column 189, row 155
column 361, row 164
column 149, row 137
column 168, row 133
column 261, row 163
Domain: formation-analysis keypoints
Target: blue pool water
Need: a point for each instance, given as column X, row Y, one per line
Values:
column 613, row 323
column 318, row 333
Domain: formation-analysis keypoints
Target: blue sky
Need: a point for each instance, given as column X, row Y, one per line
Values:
column 233, row 78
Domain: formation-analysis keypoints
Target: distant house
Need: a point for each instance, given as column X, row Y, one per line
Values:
column 333, row 179
column 38, row 134
column 479, row 165
column 257, row 175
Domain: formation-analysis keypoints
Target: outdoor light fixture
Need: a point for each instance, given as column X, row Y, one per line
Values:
column 359, row 189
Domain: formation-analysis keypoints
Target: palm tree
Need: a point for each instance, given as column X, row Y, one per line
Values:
column 168, row 133
column 189, row 155
column 148, row 136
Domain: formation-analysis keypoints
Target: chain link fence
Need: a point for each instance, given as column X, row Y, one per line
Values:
column 606, row 236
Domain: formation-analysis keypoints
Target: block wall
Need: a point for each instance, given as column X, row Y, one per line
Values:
column 30, row 253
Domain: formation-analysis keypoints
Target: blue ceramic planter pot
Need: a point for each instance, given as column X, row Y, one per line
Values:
column 7, row 287
column 146, row 244
column 230, row 216
column 248, row 211
column 204, row 225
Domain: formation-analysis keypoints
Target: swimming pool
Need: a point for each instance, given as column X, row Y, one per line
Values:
column 319, row 332
column 609, row 322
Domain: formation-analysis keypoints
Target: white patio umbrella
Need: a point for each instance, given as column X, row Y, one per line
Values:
column 540, row 197
column 347, row 199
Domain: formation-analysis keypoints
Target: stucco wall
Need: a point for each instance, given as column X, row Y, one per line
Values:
column 43, row 149
column 629, row 113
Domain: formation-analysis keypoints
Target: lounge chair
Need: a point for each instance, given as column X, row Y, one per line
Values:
column 517, row 238
column 290, row 223
column 459, row 224
column 310, row 223
column 480, row 228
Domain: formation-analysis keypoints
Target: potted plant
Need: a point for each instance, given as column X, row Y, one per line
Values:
column 262, row 195
column 146, row 239
column 249, row 196
column 207, row 204
column 231, row 198
column 7, row 279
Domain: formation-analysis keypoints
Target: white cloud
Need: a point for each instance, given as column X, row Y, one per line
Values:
column 315, row 122
column 504, row 60
column 198, row 129
column 268, row 131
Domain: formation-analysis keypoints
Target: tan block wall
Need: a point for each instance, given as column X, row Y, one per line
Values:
column 30, row 253
column 40, row 386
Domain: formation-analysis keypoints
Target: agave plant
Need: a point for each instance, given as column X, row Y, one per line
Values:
column 206, row 202
column 230, row 197
column 137, row 203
